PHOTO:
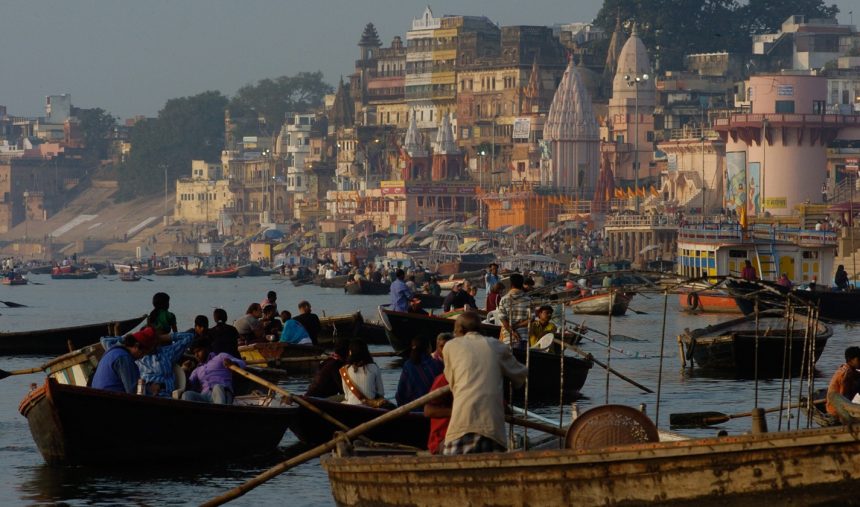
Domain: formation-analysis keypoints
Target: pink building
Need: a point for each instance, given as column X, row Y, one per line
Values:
column 776, row 155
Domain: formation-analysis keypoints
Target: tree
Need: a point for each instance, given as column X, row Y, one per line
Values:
column 671, row 29
column 271, row 99
column 186, row 129
column 96, row 127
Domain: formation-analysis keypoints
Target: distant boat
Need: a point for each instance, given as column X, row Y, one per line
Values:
column 170, row 271
column 599, row 304
column 367, row 288
column 708, row 301
column 130, row 276
column 72, row 273
column 223, row 273
column 13, row 278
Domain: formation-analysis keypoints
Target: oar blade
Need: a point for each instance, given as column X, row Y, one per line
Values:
column 4, row 374
column 696, row 419
column 12, row 304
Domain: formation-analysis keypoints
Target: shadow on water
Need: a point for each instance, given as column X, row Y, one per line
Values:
column 161, row 483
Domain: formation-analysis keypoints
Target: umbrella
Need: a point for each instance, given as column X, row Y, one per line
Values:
column 533, row 236
column 426, row 241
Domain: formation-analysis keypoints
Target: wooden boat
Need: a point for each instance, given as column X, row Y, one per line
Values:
column 43, row 269
column 544, row 367
column 130, row 276
column 170, row 271
column 344, row 324
column 73, row 274
column 846, row 411
column 833, row 305
column 13, row 278
column 708, row 302
column 273, row 353
column 411, row 429
column 338, row 282
column 253, row 269
column 805, row 467
column 449, row 284
column 401, row 327
column 731, row 346
column 372, row 333
column 223, row 273
column 61, row 421
column 61, row 340
column 366, row 287
column 600, row 304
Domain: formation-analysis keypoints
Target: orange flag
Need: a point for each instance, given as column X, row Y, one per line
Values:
column 654, row 191
column 630, row 192
column 640, row 191
column 619, row 193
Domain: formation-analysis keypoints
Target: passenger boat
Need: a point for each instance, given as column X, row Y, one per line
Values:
column 223, row 273
column 73, row 273
column 366, row 287
column 401, row 327
column 803, row 467
column 732, row 346
column 411, row 429
column 61, row 340
column 602, row 303
column 61, row 419
column 722, row 249
column 545, row 370
column 846, row 411
column 13, row 278
column 272, row 354
column 253, row 269
column 708, row 301
column 40, row 269
column 130, row 276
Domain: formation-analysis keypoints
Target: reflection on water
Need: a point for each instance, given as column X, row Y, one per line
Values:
column 26, row 480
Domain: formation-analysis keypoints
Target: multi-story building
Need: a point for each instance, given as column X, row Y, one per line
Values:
column 200, row 198
column 492, row 97
column 378, row 82
column 803, row 44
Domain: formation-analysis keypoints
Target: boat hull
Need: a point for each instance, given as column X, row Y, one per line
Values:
column 61, row 340
column 600, row 304
column 78, row 275
column 411, row 429
column 338, row 282
column 367, row 288
column 226, row 273
column 730, row 347
column 798, row 468
column 273, row 353
column 61, row 419
column 708, row 302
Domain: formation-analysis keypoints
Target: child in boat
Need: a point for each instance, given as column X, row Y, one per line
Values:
column 541, row 326
column 163, row 320
column 846, row 380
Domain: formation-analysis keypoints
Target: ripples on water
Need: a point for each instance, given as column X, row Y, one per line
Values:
column 26, row 480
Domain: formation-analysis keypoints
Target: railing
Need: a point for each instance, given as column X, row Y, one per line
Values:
column 691, row 133
column 650, row 221
column 757, row 232
column 813, row 119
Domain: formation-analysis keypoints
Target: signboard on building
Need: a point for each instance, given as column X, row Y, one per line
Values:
column 851, row 164
column 785, row 90
column 521, row 128
column 672, row 160
column 775, row 203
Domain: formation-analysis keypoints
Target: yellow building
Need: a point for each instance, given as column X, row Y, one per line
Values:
column 199, row 199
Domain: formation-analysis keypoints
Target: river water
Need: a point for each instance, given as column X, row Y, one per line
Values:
column 26, row 480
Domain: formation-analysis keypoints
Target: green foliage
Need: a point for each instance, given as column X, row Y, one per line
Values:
column 96, row 127
column 671, row 29
column 186, row 129
column 270, row 100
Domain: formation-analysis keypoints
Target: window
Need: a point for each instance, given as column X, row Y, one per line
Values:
column 785, row 106
column 819, row 107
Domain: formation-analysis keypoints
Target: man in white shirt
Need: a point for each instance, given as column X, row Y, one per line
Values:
column 474, row 367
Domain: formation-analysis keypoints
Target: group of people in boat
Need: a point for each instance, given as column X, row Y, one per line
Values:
column 149, row 361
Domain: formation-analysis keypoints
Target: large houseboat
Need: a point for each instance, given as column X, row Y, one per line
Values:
column 721, row 249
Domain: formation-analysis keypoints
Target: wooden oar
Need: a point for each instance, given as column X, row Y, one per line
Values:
column 700, row 419
column 602, row 365
column 37, row 369
column 326, row 447
column 637, row 312
column 601, row 333
column 307, row 359
column 12, row 304
column 527, row 423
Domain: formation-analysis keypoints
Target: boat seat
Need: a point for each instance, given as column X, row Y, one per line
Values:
column 610, row 425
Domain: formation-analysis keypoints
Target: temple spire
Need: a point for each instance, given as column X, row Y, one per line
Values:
column 412, row 142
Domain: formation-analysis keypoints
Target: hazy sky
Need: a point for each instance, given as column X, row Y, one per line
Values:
column 129, row 57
